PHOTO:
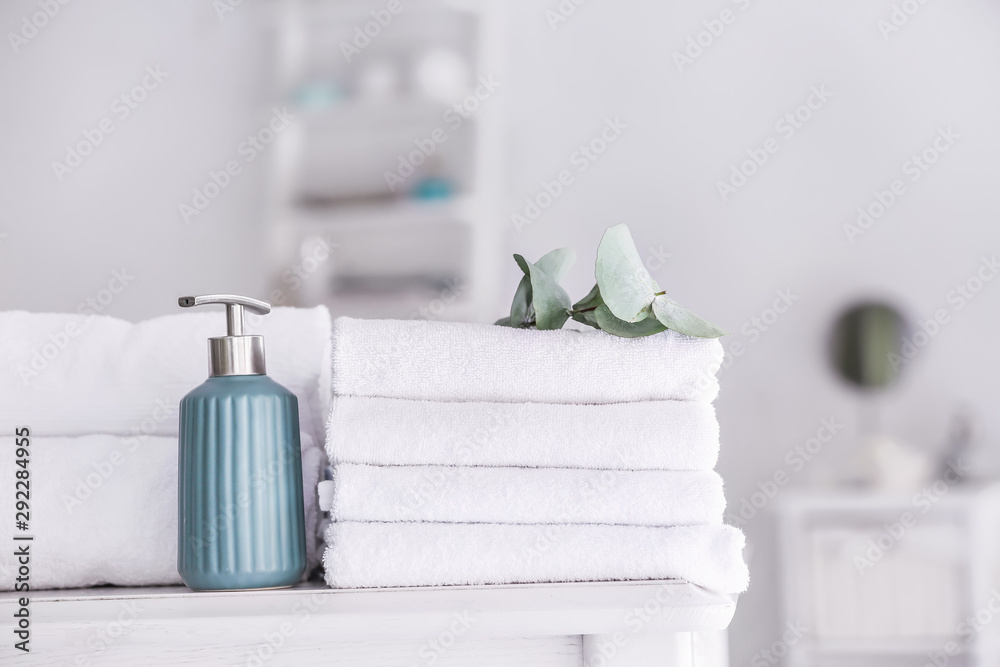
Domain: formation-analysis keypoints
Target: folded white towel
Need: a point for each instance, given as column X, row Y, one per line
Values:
column 457, row 494
column 451, row 361
column 103, row 510
column 376, row 555
column 78, row 374
column 652, row 435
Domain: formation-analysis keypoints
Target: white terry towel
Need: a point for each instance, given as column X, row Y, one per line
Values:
column 377, row 555
column 457, row 494
column 657, row 435
column 103, row 510
column 78, row 374
column 453, row 361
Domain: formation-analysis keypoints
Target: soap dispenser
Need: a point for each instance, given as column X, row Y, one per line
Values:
column 240, row 516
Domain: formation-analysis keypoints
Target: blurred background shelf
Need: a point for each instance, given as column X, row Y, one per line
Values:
column 394, row 152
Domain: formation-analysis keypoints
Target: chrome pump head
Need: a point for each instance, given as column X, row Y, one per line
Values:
column 234, row 353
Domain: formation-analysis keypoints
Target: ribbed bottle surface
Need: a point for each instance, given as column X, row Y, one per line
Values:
column 240, row 520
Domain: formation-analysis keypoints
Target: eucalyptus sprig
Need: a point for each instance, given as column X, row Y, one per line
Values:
column 626, row 301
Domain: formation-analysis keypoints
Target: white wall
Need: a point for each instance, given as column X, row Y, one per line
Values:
column 119, row 209
column 784, row 228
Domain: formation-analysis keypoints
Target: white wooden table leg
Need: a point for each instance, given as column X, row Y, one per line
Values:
column 710, row 648
column 646, row 649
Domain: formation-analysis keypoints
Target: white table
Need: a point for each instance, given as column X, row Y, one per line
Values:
column 635, row 624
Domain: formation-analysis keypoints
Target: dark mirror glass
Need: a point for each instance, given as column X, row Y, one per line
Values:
column 866, row 336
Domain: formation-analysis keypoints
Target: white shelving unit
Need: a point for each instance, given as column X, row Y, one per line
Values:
column 886, row 581
column 637, row 624
column 429, row 246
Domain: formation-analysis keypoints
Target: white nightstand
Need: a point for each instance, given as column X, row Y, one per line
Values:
column 636, row 624
column 893, row 580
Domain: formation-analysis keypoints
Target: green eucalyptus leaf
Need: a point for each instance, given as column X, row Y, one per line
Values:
column 503, row 322
column 524, row 265
column 625, row 284
column 592, row 300
column 682, row 320
column 587, row 317
column 557, row 263
column 550, row 301
column 608, row 322
column 522, row 300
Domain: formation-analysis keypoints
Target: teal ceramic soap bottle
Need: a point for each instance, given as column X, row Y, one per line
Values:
column 240, row 516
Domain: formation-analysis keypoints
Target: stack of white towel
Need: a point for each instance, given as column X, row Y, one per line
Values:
column 472, row 454
column 100, row 398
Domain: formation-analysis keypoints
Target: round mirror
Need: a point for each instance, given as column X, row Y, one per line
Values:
column 867, row 343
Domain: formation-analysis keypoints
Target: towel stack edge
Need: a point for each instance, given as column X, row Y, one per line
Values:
column 380, row 555
column 651, row 435
column 454, row 494
column 454, row 361
column 472, row 454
